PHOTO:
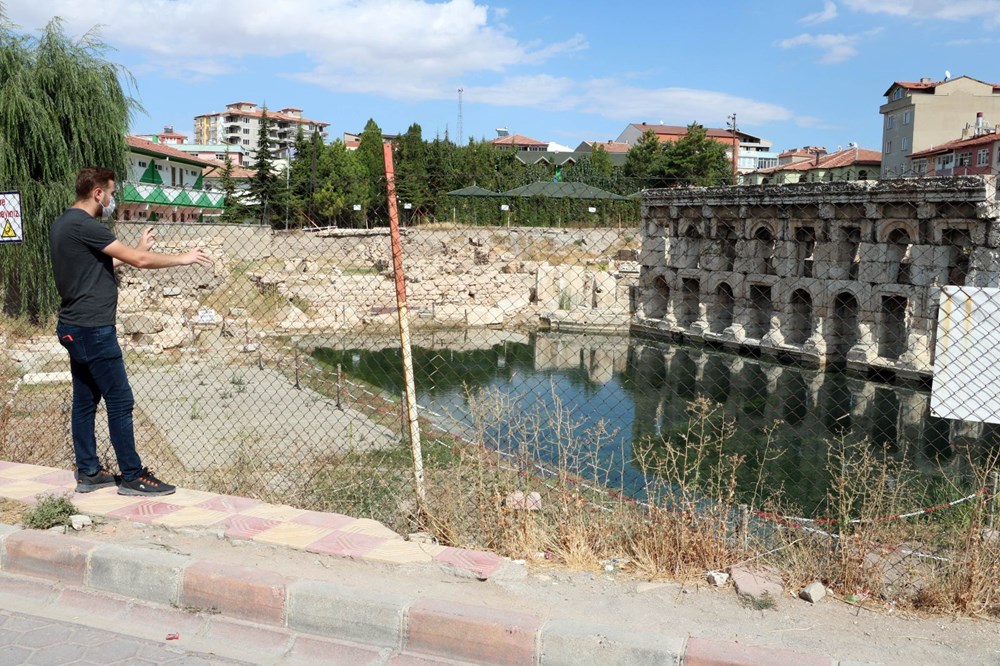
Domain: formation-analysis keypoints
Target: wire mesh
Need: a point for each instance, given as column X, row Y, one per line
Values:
column 690, row 379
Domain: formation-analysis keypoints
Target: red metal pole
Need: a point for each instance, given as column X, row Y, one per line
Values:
column 410, row 394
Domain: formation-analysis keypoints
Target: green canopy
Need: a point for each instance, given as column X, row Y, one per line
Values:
column 561, row 191
column 473, row 191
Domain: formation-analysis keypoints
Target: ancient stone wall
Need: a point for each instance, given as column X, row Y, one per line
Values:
column 819, row 272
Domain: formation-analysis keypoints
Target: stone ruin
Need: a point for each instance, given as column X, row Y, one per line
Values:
column 817, row 273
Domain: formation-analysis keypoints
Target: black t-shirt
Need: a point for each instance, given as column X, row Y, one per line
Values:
column 85, row 276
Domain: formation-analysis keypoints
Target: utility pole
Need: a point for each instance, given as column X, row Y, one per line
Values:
column 732, row 127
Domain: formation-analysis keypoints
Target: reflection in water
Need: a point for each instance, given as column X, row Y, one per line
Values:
column 639, row 391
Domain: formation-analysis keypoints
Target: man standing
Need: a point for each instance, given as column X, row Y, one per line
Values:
column 84, row 255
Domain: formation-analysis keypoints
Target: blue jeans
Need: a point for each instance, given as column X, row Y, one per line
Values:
column 98, row 369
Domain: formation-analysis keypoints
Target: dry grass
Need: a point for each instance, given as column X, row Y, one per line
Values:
column 691, row 521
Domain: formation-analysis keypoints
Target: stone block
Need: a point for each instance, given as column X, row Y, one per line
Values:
column 243, row 592
column 605, row 290
column 717, row 578
column 46, row 555
column 471, row 633
column 141, row 322
column 170, row 292
column 756, row 582
column 813, row 592
column 361, row 615
column 137, row 573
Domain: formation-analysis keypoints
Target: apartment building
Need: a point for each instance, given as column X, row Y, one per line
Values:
column 753, row 152
column 976, row 155
column 239, row 125
column 918, row 115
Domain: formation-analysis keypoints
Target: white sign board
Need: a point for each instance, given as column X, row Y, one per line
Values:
column 967, row 355
column 357, row 206
column 504, row 207
column 591, row 209
column 11, row 228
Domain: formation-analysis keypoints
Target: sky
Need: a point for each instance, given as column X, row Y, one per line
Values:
column 794, row 72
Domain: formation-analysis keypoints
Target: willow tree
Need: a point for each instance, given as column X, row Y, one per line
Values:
column 62, row 107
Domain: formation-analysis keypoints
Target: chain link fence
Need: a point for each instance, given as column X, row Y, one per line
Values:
column 683, row 381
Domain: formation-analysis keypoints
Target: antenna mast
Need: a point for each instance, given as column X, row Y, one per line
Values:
column 460, row 138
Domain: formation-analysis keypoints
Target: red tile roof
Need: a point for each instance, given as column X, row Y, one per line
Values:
column 843, row 158
column 922, row 85
column 163, row 150
column 215, row 167
column 984, row 139
column 610, row 146
column 518, row 140
column 273, row 115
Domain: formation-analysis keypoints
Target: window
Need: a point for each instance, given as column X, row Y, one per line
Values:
column 897, row 93
column 246, row 142
column 142, row 164
column 907, row 117
column 221, row 157
column 983, row 157
column 888, row 147
column 159, row 168
column 944, row 162
column 920, row 167
column 965, row 159
column 246, row 130
column 245, row 119
column 890, row 120
column 905, row 143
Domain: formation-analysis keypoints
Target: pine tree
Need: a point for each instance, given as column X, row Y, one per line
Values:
column 234, row 210
column 642, row 157
column 695, row 159
column 371, row 158
column 264, row 185
column 62, row 107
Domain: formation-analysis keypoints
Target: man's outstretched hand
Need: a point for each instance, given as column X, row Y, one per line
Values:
column 146, row 242
column 195, row 256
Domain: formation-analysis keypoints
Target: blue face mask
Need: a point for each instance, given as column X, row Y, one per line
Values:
column 109, row 210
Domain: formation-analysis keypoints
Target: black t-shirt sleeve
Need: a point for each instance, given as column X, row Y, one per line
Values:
column 95, row 235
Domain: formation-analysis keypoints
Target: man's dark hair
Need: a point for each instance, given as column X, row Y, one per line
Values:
column 90, row 177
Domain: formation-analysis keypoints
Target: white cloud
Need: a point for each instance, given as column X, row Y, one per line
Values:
column 834, row 47
column 956, row 10
column 415, row 47
column 679, row 106
column 829, row 12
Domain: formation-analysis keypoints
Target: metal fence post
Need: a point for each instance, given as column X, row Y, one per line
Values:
column 340, row 386
column 994, row 486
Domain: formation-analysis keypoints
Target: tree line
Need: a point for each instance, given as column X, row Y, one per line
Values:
column 331, row 185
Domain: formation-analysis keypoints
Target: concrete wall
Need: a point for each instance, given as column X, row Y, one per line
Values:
column 846, row 272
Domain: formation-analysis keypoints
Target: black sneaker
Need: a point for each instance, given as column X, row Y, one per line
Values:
column 86, row 483
column 145, row 484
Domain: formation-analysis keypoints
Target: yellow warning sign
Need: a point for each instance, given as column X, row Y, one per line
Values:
column 8, row 231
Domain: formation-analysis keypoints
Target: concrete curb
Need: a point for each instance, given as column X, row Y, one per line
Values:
column 278, row 613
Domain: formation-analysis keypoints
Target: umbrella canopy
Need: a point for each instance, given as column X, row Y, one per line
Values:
column 561, row 191
column 473, row 191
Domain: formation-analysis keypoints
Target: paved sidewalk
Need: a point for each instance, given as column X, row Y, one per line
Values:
column 260, row 583
column 27, row 639
column 248, row 519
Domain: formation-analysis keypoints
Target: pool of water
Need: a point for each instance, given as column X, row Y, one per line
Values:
column 601, row 405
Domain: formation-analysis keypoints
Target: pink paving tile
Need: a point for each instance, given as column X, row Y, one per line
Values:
column 63, row 477
column 319, row 519
column 247, row 527
column 345, row 544
column 480, row 563
column 229, row 503
column 145, row 511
